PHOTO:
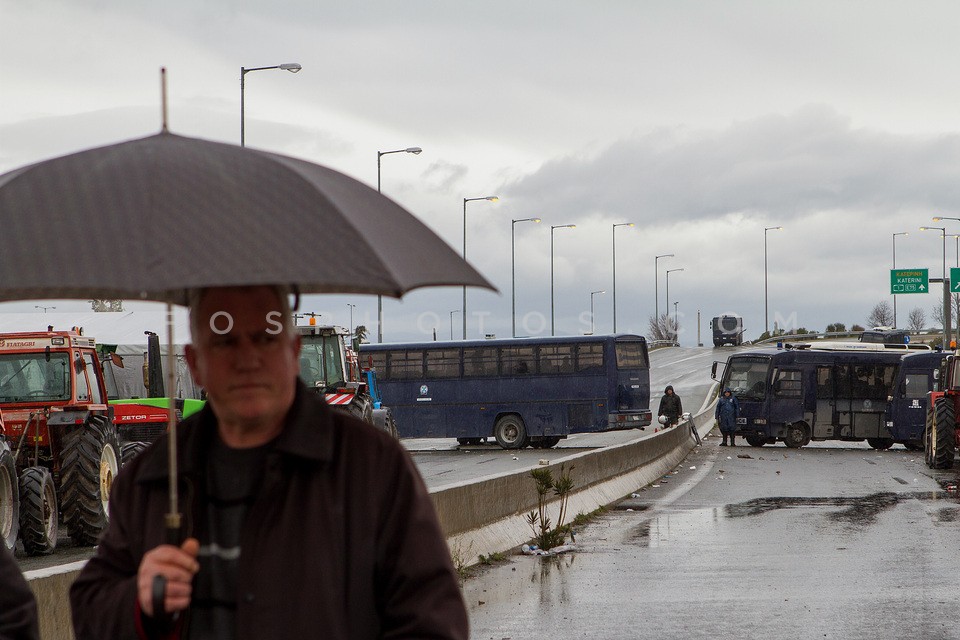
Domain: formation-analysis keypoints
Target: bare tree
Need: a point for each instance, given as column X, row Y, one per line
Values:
column 917, row 320
column 107, row 305
column 937, row 312
column 663, row 328
column 881, row 316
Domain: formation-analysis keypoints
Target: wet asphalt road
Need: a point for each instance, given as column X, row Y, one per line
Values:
column 824, row 542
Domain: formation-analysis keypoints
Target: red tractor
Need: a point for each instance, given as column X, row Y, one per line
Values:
column 61, row 436
column 941, row 431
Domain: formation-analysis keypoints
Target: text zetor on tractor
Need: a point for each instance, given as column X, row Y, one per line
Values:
column 60, row 444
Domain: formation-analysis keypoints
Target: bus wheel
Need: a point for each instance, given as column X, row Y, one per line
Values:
column 510, row 432
column 797, row 435
column 943, row 434
column 880, row 444
column 756, row 441
column 546, row 442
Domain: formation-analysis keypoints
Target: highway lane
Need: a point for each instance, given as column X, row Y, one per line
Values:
column 442, row 462
column 825, row 542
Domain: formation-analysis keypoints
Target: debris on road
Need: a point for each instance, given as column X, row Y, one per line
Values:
column 745, row 456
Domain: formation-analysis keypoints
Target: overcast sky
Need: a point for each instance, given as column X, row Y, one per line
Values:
column 700, row 122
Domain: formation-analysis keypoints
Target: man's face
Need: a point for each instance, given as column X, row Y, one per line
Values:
column 244, row 358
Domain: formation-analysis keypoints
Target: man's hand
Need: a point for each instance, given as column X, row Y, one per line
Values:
column 178, row 566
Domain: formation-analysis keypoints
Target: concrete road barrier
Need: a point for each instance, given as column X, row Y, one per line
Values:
column 490, row 516
column 482, row 517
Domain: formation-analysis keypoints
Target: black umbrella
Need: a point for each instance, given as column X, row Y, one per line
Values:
column 155, row 217
column 151, row 218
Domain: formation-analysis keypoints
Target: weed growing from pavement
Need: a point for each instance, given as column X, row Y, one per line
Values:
column 459, row 556
column 545, row 535
column 496, row 556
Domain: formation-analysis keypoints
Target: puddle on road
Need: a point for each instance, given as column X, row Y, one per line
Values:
column 856, row 510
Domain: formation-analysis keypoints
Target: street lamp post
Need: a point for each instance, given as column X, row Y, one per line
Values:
column 620, row 224
column 292, row 67
column 766, row 304
column 669, row 271
column 552, row 228
column 351, row 317
column 656, row 283
column 593, row 293
column 465, row 201
column 676, row 322
column 37, row 306
column 513, row 271
column 901, row 233
column 451, row 321
column 415, row 151
column 946, row 295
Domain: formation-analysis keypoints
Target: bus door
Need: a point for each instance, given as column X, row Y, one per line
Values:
column 869, row 387
column 908, row 411
column 786, row 406
column 828, row 417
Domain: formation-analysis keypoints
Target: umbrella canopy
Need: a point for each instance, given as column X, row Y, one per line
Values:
column 154, row 217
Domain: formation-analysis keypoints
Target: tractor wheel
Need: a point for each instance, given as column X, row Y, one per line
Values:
column 38, row 511
column 798, row 435
column 943, row 434
column 130, row 450
column 91, row 460
column 361, row 408
column 880, row 444
column 9, row 498
column 928, row 437
column 756, row 441
column 510, row 432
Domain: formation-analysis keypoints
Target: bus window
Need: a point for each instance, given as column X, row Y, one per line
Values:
column 556, row 358
column 917, row 385
column 405, row 364
column 630, row 355
column 517, row 361
column 747, row 377
column 480, row 361
column 443, row 363
column 870, row 382
column 378, row 362
column 824, row 382
column 589, row 356
column 786, row 383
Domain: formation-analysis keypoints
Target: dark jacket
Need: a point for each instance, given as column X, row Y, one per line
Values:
column 342, row 540
column 18, row 609
column 727, row 412
column 670, row 405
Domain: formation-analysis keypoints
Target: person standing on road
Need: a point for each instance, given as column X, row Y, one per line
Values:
column 298, row 522
column 18, row 609
column 671, row 407
column 727, row 412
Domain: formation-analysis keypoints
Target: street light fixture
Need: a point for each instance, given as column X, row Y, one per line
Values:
column 669, row 271
column 415, row 151
column 620, row 224
column 451, row 321
column 593, row 293
column 766, row 305
column 946, row 297
column 901, row 233
column 37, row 306
column 552, row 229
column 656, row 283
column 465, row 201
column 351, row 317
column 292, row 67
column 513, row 270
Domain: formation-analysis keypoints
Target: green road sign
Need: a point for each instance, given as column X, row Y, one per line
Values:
column 954, row 280
column 910, row 281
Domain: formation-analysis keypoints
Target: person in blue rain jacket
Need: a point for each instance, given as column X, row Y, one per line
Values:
column 728, row 410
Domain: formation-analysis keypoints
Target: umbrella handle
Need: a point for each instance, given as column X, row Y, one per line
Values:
column 158, row 596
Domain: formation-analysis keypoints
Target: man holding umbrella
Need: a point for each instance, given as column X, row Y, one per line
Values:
column 299, row 522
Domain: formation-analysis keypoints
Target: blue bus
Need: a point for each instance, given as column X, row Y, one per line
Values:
column 799, row 395
column 522, row 391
